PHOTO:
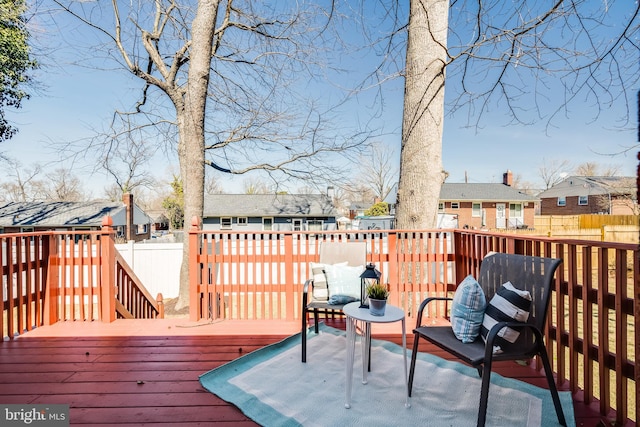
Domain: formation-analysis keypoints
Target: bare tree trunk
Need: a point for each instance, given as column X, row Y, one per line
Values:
column 190, row 120
column 421, row 174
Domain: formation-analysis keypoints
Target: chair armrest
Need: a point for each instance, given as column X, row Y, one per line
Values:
column 493, row 333
column 308, row 285
column 423, row 305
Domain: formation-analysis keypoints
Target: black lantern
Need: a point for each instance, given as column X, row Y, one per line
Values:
column 370, row 276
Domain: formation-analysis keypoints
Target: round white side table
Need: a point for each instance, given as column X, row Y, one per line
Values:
column 356, row 314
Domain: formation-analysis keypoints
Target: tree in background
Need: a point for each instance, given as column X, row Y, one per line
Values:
column 15, row 61
column 223, row 84
column 553, row 171
column 124, row 159
column 29, row 185
column 379, row 170
column 378, row 209
column 24, row 185
column 596, row 169
column 255, row 186
column 61, row 185
column 174, row 204
column 489, row 50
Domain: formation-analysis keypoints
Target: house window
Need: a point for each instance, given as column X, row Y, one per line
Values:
column 314, row 225
column 225, row 223
column 142, row 228
column 242, row 220
column 476, row 209
column 441, row 207
column 455, row 205
column 583, row 200
column 267, row 224
column 562, row 201
column 515, row 210
column 297, row 225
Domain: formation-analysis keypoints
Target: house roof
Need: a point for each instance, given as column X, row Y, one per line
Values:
column 63, row 214
column 277, row 205
column 483, row 192
column 591, row 185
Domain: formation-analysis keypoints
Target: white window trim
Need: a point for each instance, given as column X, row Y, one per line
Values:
column 313, row 221
column 243, row 221
column 223, row 226
column 457, row 205
column 270, row 218
column 479, row 213
column 561, row 201
column 511, row 215
column 586, row 203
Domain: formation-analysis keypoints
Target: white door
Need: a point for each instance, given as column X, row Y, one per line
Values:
column 501, row 217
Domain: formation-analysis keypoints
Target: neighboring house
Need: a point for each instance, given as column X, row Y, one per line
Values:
column 491, row 205
column 577, row 195
column 269, row 212
column 357, row 209
column 159, row 221
column 488, row 205
column 130, row 224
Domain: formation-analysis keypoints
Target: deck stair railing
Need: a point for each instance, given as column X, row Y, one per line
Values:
column 56, row 276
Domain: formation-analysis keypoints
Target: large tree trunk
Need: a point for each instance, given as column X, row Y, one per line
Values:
column 190, row 120
column 421, row 174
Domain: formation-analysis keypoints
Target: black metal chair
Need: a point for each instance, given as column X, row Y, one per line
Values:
column 354, row 254
column 534, row 274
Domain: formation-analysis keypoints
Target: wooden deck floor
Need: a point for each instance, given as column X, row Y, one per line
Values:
column 137, row 373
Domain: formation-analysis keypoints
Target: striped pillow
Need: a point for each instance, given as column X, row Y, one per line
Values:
column 320, row 287
column 508, row 304
column 467, row 310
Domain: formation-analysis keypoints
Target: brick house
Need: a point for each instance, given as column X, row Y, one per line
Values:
column 577, row 195
column 130, row 222
column 488, row 205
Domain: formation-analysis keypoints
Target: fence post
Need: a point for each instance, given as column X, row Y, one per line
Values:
column 52, row 286
column 392, row 272
column 289, row 280
column 107, row 271
column 194, row 309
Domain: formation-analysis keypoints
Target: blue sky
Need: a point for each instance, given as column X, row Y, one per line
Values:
column 76, row 100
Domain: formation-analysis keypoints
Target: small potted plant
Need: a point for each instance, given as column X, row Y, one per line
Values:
column 377, row 294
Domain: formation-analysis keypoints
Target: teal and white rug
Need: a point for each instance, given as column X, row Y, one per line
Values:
column 272, row 387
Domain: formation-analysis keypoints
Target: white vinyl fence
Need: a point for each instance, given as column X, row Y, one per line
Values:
column 157, row 265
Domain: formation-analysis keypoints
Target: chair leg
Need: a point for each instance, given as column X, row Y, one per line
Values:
column 484, row 393
column 414, row 352
column 303, row 334
column 316, row 319
column 552, row 386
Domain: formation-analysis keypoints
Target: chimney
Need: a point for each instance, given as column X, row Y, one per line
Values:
column 127, row 199
column 331, row 192
column 507, row 178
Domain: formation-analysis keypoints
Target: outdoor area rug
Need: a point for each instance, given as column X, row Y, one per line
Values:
column 274, row 388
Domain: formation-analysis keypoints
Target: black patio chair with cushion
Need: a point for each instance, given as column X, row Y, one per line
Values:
column 506, row 338
column 343, row 261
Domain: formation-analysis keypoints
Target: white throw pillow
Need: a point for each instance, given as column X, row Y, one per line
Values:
column 344, row 280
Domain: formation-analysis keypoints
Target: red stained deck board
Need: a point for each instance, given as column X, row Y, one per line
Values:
column 102, row 386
